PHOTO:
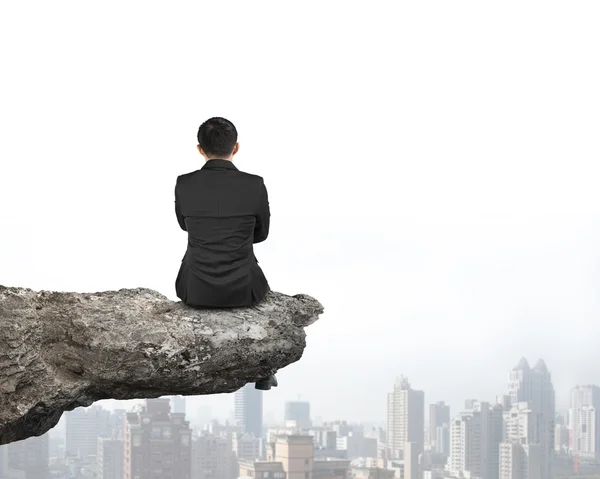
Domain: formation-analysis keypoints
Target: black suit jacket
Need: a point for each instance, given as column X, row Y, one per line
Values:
column 225, row 211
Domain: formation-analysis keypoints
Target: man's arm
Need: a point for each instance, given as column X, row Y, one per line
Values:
column 263, row 217
column 180, row 217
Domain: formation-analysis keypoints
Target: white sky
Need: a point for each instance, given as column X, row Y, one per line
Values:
column 432, row 170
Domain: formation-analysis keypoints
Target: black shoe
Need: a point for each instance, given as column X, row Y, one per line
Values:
column 266, row 383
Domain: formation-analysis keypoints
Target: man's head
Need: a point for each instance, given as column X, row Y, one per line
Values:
column 217, row 139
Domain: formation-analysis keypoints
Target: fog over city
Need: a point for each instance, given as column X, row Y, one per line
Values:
column 432, row 170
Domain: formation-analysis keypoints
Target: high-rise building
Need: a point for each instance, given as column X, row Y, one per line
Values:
column 83, row 427
column 297, row 455
column 469, row 442
column 520, row 456
column 496, row 436
column 533, row 401
column 298, row 411
column 520, row 461
column 584, row 422
column 249, row 409
column 442, row 439
column 213, row 458
column 475, row 437
column 406, row 417
column 30, row 456
column 109, row 461
column 439, row 414
column 157, row 443
column 247, row 446
column 412, row 466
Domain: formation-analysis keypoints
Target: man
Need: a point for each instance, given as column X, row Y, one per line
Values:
column 224, row 211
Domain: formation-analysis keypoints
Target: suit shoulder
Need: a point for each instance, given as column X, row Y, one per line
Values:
column 186, row 176
column 252, row 177
column 249, row 177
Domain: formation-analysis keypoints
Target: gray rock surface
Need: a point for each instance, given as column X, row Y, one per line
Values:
column 62, row 350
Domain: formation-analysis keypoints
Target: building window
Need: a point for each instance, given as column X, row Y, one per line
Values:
column 137, row 440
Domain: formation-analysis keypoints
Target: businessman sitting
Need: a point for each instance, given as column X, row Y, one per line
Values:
column 224, row 211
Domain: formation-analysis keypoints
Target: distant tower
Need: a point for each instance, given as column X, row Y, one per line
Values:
column 584, row 421
column 249, row 409
column 439, row 414
column 298, row 411
column 469, row 441
column 157, row 442
column 83, row 426
column 532, row 399
column 406, row 417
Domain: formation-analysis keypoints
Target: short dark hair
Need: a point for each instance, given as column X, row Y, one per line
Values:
column 217, row 137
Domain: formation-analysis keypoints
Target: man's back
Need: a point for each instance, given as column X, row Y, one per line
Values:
column 224, row 211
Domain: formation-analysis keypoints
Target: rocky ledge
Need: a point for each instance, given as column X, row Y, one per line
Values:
column 62, row 350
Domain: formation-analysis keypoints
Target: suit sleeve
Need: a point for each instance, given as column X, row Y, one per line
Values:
column 180, row 217
column 263, row 215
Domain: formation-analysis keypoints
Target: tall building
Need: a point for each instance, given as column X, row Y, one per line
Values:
column 157, row 442
column 412, row 466
column 30, row 456
column 109, row 460
column 584, row 422
column 439, row 414
column 442, row 439
column 297, row 455
column 298, row 411
column 496, row 436
column 469, row 442
column 520, row 456
column 249, row 409
column 247, row 446
column 213, row 458
column 532, row 397
column 83, row 427
column 405, row 417
column 475, row 437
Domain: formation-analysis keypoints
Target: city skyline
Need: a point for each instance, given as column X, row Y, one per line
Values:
column 223, row 406
column 494, row 439
column 233, row 399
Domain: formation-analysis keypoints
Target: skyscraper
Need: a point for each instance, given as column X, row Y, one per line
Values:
column 520, row 455
column 298, row 411
column 439, row 414
column 249, row 409
column 212, row 458
column 584, row 421
column 406, row 417
column 83, row 426
column 469, row 442
column 157, row 442
column 532, row 387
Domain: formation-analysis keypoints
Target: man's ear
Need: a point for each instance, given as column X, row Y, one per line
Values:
column 236, row 148
column 202, row 152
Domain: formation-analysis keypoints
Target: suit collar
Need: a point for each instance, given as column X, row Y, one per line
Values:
column 216, row 163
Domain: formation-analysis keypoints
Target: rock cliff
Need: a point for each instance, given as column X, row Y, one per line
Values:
column 62, row 350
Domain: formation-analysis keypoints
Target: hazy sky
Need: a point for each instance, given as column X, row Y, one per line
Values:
column 432, row 170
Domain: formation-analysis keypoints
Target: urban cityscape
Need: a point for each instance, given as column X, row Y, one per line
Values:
column 519, row 434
